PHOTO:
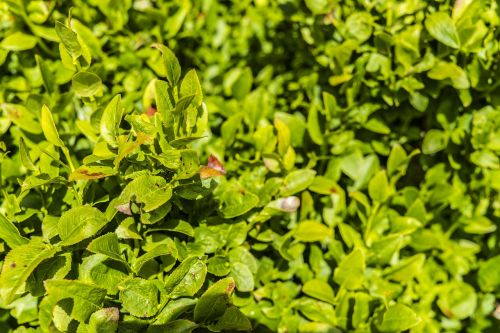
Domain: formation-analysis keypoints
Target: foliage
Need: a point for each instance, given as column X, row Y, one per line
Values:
column 327, row 166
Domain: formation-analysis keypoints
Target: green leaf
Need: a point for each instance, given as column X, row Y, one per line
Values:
column 214, row 301
column 361, row 312
column 19, row 263
column 447, row 70
column 397, row 159
column 242, row 276
column 69, row 40
column 139, row 297
column 80, row 223
column 218, row 265
column 434, row 141
column 317, row 6
column 86, row 84
column 110, row 121
column 488, row 276
column 297, row 181
column 10, row 234
column 171, row 64
column 186, row 279
column 319, row 289
column 442, row 28
column 175, row 326
column 98, row 270
column 49, row 127
column 457, row 300
column 18, row 41
column 22, row 117
column 284, row 136
column 190, row 86
column 378, row 187
column 232, row 320
column 25, row 156
column 104, row 320
column 152, row 191
column 172, row 310
column 108, row 245
column 312, row 231
column 86, row 298
column 47, row 75
column 406, row 269
column 54, row 268
column 313, row 126
column 398, row 318
column 160, row 250
column 316, row 311
column 235, row 200
column 350, row 271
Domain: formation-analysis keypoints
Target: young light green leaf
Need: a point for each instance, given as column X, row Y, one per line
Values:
column 10, row 234
column 25, row 156
column 297, row 181
column 108, row 245
column 172, row 310
column 378, row 187
column 319, row 289
column 361, row 312
column 397, row 159
column 350, row 271
column 186, row 279
column 110, row 120
column 313, row 126
column 190, row 85
column 398, row 318
column 441, row 26
column 434, row 141
column 312, row 231
column 49, row 127
column 242, row 276
column 19, row 263
column 164, row 103
column 54, row 268
column 69, row 39
column 407, row 269
column 214, row 302
column 104, row 320
column 47, row 75
column 22, row 117
column 160, row 250
column 171, row 63
column 80, row 223
column 18, row 41
column 175, row 326
column 87, row 298
column 86, row 84
column 152, row 191
column 232, row 320
column 457, row 300
column 139, row 297
column 488, row 276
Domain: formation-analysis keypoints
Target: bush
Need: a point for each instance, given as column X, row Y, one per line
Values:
column 275, row 166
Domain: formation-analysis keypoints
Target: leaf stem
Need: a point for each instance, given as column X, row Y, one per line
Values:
column 68, row 158
column 369, row 223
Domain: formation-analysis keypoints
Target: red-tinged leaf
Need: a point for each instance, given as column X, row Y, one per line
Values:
column 207, row 172
column 89, row 173
column 124, row 208
column 151, row 111
column 213, row 168
column 215, row 164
